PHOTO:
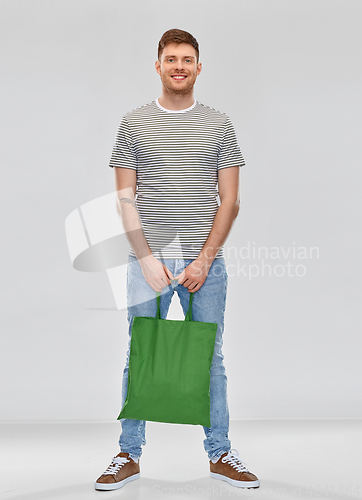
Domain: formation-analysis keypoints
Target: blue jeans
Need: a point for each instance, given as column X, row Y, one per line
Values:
column 208, row 305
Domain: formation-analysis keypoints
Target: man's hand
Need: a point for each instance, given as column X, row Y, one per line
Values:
column 156, row 274
column 194, row 275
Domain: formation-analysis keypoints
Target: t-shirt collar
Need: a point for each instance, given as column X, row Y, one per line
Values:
column 175, row 110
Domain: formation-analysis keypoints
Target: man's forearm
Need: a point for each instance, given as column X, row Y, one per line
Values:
column 127, row 210
column 223, row 222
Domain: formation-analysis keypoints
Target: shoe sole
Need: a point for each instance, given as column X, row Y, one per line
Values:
column 234, row 482
column 115, row 486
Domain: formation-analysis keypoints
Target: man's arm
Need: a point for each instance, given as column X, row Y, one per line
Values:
column 228, row 180
column 197, row 271
column 156, row 274
column 126, row 182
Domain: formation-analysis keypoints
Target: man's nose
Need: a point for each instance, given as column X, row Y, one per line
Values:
column 179, row 64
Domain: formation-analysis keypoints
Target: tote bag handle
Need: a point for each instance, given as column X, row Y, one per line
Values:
column 188, row 316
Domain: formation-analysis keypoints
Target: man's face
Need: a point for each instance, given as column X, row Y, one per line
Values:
column 178, row 67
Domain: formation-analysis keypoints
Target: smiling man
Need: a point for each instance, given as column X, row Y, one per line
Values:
column 173, row 157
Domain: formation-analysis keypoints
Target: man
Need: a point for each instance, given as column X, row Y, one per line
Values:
column 175, row 151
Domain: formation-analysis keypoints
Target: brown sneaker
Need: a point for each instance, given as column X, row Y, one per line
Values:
column 122, row 470
column 230, row 468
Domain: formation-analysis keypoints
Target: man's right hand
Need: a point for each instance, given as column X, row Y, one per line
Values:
column 155, row 272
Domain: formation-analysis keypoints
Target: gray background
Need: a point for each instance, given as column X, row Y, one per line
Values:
column 288, row 73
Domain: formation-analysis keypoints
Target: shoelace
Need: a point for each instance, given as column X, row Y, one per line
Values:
column 116, row 464
column 234, row 460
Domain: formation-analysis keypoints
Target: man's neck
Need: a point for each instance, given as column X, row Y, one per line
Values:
column 176, row 102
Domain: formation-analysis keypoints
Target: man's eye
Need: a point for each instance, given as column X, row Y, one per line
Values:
column 171, row 59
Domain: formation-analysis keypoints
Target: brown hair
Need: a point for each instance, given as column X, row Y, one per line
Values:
column 177, row 36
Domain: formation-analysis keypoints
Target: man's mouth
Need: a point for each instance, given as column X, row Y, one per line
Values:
column 178, row 77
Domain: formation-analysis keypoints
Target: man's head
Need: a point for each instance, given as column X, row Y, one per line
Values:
column 178, row 61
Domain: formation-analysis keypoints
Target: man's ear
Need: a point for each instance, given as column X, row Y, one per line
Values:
column 199, row 68
column 158, row 66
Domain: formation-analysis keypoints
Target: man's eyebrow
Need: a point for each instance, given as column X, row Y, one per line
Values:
column 186, row 57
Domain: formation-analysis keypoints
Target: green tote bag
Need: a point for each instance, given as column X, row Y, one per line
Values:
column 169, row 369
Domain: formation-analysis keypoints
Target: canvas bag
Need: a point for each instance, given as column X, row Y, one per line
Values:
column 169, row 369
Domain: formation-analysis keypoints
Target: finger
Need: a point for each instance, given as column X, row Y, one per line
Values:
column 164, row 280
column 162, row 283
column 186, row 282
column 196, row 288
column 168, row 273
column 181, row 277
column 155, row 287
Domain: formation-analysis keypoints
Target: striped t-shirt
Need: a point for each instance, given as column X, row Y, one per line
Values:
column 177, row 155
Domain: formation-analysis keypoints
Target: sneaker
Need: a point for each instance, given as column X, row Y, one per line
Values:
column 122, row 470
column 230, row 468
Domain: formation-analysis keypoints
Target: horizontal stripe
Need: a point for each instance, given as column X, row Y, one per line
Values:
column 177, row 156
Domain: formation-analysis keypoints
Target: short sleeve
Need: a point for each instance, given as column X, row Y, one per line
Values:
column 230, row 154
column 123, row 153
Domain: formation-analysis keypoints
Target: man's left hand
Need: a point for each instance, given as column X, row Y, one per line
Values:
column 194, row 275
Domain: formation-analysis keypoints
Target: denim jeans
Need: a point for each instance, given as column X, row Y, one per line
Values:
column 208, row 305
